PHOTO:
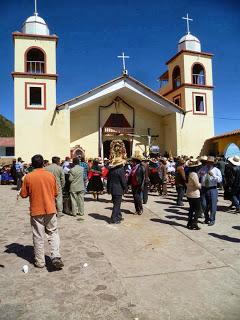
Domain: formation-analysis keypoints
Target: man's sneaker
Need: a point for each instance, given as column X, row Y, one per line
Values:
column 57, row 263
column 211, row 223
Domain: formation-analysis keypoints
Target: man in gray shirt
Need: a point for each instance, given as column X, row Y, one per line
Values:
column 77, row 189
column 58, row 173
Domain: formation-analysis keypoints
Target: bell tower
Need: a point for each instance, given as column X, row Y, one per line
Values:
column 36, row 118
column 188, row 83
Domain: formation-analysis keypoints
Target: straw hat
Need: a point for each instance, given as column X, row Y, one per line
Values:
column 193, row 163
column 210, row 159
column 117, row 162
column 203, row 158
column 234, row 160
column 153, row 160
column 137, row 156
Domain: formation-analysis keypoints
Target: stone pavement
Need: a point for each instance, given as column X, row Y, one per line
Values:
column 151, row 267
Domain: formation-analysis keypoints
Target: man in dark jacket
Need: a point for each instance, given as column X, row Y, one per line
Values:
column 233, row 181
column 136, row 180
column 116, row 186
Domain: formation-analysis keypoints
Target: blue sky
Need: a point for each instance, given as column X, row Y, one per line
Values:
column 92, row 33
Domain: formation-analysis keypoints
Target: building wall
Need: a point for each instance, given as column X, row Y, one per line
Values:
column 84, row 126
column 217, row 146
column 39, row 131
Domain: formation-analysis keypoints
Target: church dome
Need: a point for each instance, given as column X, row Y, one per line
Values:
column 35, row 25
column 189, row 42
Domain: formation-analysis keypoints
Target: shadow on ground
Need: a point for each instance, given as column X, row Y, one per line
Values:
column 171, row 223
column 236, row 227
column 27, row 253
column 98, row 216
column 126, row 211
column 224, row 237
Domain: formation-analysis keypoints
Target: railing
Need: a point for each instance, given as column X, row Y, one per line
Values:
column 35, row 66
column 198, row 79
column 118, row 130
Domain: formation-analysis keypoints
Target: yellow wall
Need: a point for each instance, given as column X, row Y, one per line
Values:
column 218, row 145
column 84, row 126
column 34, row 132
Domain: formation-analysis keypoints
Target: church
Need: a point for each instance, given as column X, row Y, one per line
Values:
column 177, row 119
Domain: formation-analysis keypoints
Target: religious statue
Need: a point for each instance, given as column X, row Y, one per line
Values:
column 117, row 150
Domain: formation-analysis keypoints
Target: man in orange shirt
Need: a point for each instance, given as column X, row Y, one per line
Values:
column 41, row 188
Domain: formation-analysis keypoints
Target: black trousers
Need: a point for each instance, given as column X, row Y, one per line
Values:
column 194, row 211
column 137, row 197
column 116, row 211
column 145, row 193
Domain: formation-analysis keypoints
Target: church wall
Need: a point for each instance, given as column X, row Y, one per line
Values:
column 33, row 130
column 21, row 45
column 147, row 119
column 196, row 127
column 170, row 137
column 84, row 130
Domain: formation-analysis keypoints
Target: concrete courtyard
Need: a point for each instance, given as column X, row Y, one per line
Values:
column 150, row 267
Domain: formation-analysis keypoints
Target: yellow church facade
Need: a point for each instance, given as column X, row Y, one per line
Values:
column 177, row 119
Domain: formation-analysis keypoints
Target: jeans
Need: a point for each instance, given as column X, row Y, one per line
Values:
column 180, row 194
column 236, row 199
column 211, row 204
column 19, row 180
column 116, row 211
column 194, row 211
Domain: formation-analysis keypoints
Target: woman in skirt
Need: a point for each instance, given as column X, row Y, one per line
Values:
column 95, row 184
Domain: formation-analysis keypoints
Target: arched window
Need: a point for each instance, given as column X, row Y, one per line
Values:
column 35, row 61
column 176, row 77
column 198, row 74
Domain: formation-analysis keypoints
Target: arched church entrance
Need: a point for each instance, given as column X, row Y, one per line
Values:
column 117, row 127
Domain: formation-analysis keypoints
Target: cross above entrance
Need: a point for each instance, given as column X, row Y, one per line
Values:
column 188, row 19
column 123, row 57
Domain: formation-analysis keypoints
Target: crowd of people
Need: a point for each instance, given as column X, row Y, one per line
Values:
column 59, row 187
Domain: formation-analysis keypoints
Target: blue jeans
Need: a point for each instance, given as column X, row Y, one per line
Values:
column 211, row 196
column 236, row 200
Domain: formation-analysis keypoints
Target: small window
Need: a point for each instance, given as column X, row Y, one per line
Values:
column 35, row 96
column 199, row 101
column 198, row 74
column 176, row 77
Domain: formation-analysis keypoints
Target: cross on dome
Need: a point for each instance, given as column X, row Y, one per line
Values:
column 35, row 8
column 123, row 57
column 187, row 19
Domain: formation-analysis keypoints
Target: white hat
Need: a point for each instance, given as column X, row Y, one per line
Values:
column 235, row 160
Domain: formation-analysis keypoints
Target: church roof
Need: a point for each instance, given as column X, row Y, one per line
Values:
column 129, row 89
column 226, row 134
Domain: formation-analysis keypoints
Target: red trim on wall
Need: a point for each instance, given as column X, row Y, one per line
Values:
column 34, row 36
column 25, row 58
column 34, row 75
column 189, row 85
column 44, row 95
column 180, row 99
column 193, row 102
column 203, row 70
